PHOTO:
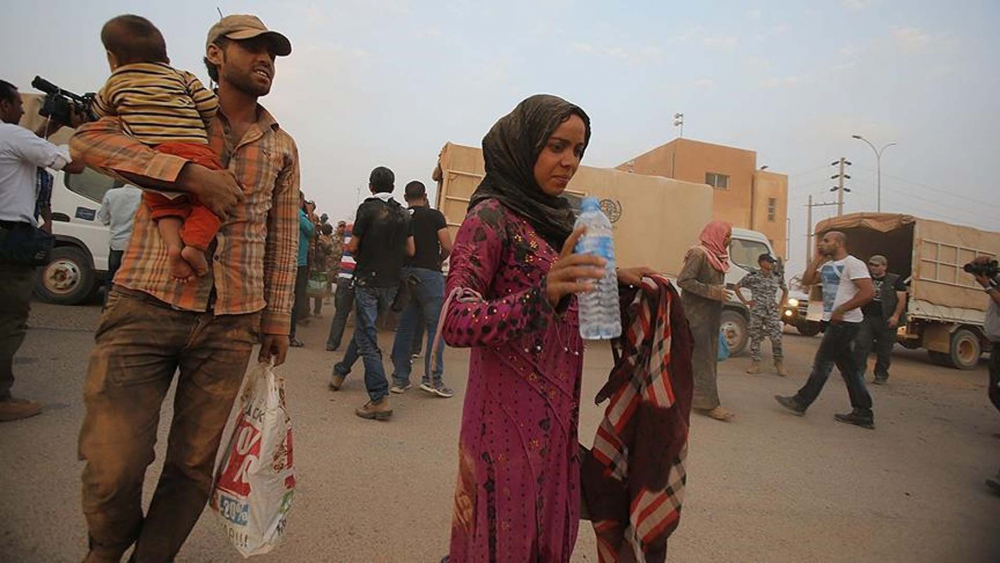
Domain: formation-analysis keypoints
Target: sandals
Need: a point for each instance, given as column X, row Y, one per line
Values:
column 296, row 343
column 718, row 413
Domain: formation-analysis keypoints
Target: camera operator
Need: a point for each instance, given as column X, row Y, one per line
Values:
column 990, row 280
column 22, row 153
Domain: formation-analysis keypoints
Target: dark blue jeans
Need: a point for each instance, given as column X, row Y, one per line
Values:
column 424, row 306
column 836, row 349
column 369, row 303
column 874, row 334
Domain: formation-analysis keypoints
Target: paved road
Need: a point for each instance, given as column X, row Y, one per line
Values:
column 768, row 487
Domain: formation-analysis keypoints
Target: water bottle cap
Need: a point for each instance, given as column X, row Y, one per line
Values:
column 590, row 204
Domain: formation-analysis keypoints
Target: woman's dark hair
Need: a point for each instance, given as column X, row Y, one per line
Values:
column 327, row 229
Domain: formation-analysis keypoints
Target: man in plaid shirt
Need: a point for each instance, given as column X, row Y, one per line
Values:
column 154, row 326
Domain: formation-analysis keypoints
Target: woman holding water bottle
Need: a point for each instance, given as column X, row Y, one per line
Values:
column 516, row 278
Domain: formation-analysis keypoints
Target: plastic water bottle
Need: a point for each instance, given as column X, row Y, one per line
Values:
column 600, row 317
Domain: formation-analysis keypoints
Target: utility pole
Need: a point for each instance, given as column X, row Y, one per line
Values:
column 839, row 188
column 809, row 225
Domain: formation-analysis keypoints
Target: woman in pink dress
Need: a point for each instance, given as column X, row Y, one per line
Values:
column 517, row 497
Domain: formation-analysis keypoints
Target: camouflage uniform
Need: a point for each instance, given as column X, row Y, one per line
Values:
column 765, row 315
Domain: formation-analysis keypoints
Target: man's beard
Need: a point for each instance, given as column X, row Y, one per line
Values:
column 245, row 83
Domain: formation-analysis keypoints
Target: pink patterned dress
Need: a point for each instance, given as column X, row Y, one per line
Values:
column 517, row 498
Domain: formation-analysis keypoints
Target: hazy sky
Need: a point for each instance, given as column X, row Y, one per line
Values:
column 388, row 82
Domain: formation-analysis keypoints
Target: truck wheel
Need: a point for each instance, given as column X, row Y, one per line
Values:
column 965, row 349
column 734, row 327
column 68, row 279
column 807, row 328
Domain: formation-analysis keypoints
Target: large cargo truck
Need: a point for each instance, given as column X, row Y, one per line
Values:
column 946, row 308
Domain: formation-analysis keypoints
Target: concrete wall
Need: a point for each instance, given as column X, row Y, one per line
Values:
column 741, row 202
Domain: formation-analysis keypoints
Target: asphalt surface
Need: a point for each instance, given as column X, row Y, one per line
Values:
column 767, row 487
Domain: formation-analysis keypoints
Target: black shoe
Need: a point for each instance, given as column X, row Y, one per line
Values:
column 791, row 404
column 330, row 348
column 881, row 380
column 857, row 418
column 296, row 343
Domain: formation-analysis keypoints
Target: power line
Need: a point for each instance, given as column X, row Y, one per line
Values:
column 935, row 190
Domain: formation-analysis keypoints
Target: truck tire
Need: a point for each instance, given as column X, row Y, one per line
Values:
column 67, row 279
column 734, row 326
column 965, row 349
column 808, row 328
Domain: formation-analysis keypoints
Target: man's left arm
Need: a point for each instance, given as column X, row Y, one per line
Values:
column 280, row 259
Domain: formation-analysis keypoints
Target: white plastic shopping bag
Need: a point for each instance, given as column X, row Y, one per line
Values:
column 255, row 481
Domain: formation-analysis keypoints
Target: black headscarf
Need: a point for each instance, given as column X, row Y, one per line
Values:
column 511, row 148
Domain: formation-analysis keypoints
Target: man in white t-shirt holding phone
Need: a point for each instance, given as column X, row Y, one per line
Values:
column 847, row 286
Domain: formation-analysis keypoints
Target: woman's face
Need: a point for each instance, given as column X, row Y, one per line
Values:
column 727, row 240
column 561, row 156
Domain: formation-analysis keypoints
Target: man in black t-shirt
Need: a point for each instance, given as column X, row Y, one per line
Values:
column 423, row 269
column 381, row 239
column 883, row 315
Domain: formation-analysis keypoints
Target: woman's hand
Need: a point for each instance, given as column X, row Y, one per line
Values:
column 572, row 273
column 633, row 276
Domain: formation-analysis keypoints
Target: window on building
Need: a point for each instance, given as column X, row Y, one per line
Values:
column 717, row 181
column 772, row 208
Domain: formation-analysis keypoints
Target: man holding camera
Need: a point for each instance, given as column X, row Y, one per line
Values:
column 23, row 155
column 984, row 269
column 154, row 327
column 882, row 317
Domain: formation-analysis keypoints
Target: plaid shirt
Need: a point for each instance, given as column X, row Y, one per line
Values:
column 252, row 265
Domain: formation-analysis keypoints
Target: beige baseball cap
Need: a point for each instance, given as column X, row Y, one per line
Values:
column 239, row 27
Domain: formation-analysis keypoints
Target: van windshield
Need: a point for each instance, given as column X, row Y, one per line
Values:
column 744, row 253
column 90, row 184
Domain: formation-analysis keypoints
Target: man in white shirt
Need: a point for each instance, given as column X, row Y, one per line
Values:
column 117, row 211
column 22, row 152
column 847, row 286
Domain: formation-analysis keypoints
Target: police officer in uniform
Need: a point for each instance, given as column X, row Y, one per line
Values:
column 765, row 312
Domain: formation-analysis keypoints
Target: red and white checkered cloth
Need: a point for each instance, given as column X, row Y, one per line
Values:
column 637, row 463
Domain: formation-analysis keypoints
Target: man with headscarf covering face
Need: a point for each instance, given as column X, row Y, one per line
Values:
column 518, row 492
column 702, row 281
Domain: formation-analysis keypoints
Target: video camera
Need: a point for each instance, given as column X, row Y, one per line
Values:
column 989, row 269
column 59, row 103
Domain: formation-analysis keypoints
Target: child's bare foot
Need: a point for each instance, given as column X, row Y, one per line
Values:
column 180, row 270
column 196, row 259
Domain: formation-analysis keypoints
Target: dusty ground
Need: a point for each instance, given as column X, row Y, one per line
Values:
column 768, row 487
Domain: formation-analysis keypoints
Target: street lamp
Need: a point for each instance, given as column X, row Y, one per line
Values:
column 878, row 165
column 679, row 122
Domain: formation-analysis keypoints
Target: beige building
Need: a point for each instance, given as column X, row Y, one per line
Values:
column 742, row 195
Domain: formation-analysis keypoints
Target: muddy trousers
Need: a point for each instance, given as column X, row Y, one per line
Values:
column 140, row 344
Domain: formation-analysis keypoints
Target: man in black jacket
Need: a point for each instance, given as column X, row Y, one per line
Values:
column 883, row 315
column 381, row 240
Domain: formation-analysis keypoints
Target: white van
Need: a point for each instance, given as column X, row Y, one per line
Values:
column 80, row 258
